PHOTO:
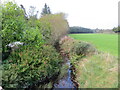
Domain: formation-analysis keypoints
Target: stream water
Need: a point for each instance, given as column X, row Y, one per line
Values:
column 66, row 81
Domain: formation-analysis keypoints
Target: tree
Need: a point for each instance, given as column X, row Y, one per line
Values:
column 49, row 12
column 77, row 29
column 116, row 29
column 25, row 14
column 13, row 24
column 46, row 10
column 32, row 12
column 58, row 27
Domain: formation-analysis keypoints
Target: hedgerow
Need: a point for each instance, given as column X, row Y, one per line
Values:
column 37, row 60
column 29, row 65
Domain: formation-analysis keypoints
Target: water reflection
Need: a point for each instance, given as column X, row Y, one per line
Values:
column 66, row 81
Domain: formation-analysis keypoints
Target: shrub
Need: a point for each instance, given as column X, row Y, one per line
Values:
column 66, row 44
column 28, row 65
column 83, row 48
column 34, row 61
column 58, row 26
column 116, row 29
column 32, row 36
column 75, row 48
column 13, row 24
column 16, row 28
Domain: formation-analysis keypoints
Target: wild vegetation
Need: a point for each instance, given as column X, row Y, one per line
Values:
column 33, row 61
column 98, row 69
column 44, row 46
column 57, row 30
column 116, row 29
column 92, row 68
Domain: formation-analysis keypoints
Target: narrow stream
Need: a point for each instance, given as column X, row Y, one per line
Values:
column 66, row 81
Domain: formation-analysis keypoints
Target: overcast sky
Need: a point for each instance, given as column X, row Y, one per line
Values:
column 102, row 14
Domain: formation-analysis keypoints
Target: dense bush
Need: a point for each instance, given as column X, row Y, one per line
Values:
column 66, row 44
column 83, row 48
column 57, row 26
column 32, row 36
column 13, row 24
column 116, row 29
column 34, row 61
column 75, row 47
column 15, row 27
column 29, row 65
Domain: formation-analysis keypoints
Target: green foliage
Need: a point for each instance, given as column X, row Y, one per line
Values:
column 33, row 36
column 45, row 86
column 66, row 44
column 13, row 24
column 83, row 48
column 45, row 30
column 63, row 71
column 58, row 26
column 29, row 65
column 116, row 29
column 16, row 28
column 33, row 61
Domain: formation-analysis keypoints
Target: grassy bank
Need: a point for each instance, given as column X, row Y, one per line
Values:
column 93, row 69
column 97, row 71
column 104, row 42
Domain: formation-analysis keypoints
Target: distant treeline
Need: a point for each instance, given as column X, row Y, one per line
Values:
column 116, row 29
column 77, row 29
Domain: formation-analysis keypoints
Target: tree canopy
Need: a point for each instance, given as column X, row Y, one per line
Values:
column 46, row 10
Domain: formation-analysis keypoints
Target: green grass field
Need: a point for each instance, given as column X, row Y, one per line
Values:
column 103, row 42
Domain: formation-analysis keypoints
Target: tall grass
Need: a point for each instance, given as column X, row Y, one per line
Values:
column 97, row 71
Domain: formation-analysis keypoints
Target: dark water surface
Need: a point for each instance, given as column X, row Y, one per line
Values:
column 66, row 81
